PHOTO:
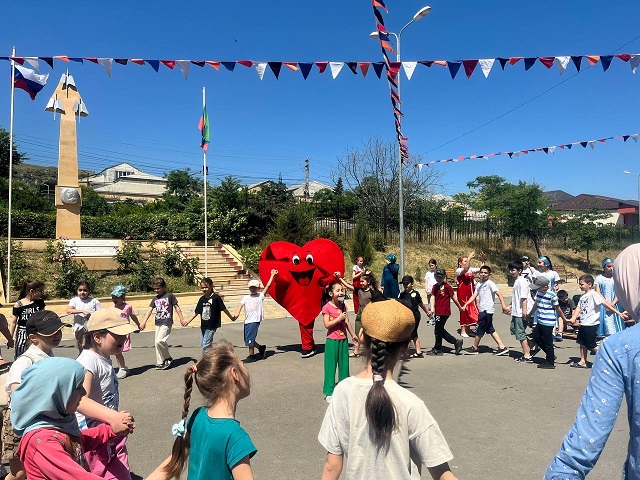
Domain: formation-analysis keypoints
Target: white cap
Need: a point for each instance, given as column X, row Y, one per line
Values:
column 254, row 283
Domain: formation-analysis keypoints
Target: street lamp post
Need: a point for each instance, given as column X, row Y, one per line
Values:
column 423, row 12
column 631, row 173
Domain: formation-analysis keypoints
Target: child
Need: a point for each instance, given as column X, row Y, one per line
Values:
column 429, row 282
column 518, row 309
column 466, row 288
column 547, row 307
column 52, row 446
column 106, row 334
column 4, row 329
column 30, row 302
column 126, row 312
column 486, row 291
column 209, row 308
column 253, row 315
column 440, row 306
column 610, row 323
column 545, row 268
column 358, row 270
column 82, row 306
column 336, row 349
column 44, row 330
column 163, row 303
column 566, row 304
column 374, row 425
column 589, row 314
column 212, row 441
column 415, row 302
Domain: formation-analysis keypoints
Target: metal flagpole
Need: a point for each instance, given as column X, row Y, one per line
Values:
column 7, row 293
column 204, row 171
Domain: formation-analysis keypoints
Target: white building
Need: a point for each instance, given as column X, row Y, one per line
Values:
column 124, row 181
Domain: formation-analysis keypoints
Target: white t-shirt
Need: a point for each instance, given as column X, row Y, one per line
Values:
column 486, row 296
column 89, row 304
column 430, row 280
column 589, row 306
column 253, row 311
column 416, row 441
column 104, row 385
column 550, row 275
column 32, row 355
column 520, row 290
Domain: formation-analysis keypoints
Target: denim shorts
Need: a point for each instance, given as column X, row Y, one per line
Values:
column 517, row 328
column 250, row 333
column 206, row 337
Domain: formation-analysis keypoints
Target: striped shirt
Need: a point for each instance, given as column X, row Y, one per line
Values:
column 546, row 312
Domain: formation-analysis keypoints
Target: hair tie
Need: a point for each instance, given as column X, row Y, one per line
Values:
column 194, row 368
column 178, row 429
column 378, row 378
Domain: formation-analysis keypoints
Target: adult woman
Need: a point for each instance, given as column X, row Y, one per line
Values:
column 389, row 279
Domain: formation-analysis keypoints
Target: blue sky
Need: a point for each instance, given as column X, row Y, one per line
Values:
column 263, row 128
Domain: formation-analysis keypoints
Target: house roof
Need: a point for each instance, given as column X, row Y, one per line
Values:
column 141, row 178
column 584, row 201
column 118, row 165
column 314, row 187
column 555, row 197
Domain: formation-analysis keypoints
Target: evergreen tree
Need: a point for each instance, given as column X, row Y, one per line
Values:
column 361, row 244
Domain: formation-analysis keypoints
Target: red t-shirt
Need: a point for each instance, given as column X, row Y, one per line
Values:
column 442, row 294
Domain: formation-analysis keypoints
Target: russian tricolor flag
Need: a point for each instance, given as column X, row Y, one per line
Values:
column 29, row 81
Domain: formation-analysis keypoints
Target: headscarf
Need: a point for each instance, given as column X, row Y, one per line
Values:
column 545, row 260
column 626, row 279
column 391, row 257
column 119, row 291
column 41, row 399
column 605, row 261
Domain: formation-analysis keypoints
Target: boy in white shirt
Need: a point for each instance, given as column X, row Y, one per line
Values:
column 518, row 309
column 486, row 291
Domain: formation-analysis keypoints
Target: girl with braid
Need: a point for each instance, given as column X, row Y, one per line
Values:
column 374, row 428
column 212, row 439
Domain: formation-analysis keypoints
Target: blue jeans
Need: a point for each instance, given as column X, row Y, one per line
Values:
column 206, row 338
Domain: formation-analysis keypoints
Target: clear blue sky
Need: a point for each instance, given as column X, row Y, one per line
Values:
column 262, row 128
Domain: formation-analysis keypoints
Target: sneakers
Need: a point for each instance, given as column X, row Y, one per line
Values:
column 464, row 335
column 501, row 351
column 160, row 367
column 458, row 347
column 166, row 365
column 263, row 351
column 122, row 373
column 547, row 366
column 470, row 351
column 534, row 350
column 308, row 353
column 557, row 337
column 524, row 360
column 435, row 353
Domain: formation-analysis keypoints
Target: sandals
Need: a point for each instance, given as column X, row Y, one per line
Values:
column 416, row 355
column 577, row 365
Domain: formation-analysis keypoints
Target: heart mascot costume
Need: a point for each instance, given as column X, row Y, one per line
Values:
column 303, row 272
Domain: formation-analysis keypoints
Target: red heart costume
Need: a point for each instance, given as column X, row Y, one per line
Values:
column 303, row 272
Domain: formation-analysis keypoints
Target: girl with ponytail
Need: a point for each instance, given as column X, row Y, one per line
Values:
column 373, row 425
column 211, row 440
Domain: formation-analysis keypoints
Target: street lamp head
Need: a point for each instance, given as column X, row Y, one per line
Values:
column 375, row 35
column 627, row 172
column 423, row 12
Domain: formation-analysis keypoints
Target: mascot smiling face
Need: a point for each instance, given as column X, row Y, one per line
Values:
column 303, row 272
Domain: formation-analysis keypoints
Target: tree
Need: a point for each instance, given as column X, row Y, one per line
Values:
column 228, row 194
column 371, row 172
column 585, row 234
column 361, row 244
column 339, row 189
column 522, row 207
column 93, row 204
column 294, row 225
column 24, row 197
column 182, row 186
column 18, row 157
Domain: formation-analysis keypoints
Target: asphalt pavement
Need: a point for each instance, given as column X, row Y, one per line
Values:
column 502, row 419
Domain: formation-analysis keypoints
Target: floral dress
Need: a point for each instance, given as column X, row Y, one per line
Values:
column 610, row 322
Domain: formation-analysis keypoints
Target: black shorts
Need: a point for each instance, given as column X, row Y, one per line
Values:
column 414, row 334
column 587, row 336
column 485, row 324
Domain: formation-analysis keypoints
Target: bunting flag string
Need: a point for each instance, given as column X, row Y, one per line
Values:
column 562, row 62
column 548, row 150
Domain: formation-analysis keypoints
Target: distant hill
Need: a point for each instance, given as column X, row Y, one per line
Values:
column 41, row 175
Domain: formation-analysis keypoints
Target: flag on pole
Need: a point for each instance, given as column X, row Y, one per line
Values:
column 29, row 81
column 203, row 126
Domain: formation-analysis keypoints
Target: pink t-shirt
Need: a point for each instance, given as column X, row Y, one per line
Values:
column 125, row 311
column 339, row 330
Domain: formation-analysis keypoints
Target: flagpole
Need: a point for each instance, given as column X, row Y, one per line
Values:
column 7, row 293
column 204, row 171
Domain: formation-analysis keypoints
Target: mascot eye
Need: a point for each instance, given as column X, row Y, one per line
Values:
column 310, row 259
column 296, row 260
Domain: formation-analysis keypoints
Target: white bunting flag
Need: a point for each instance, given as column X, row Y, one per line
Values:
column 517, row 154
column 634, row 62
column 635, row 137
column 562, row 63
column 106, row 63
column 592, row 144
column 552, row 150
column 184, row 65
column 409, row 68
column 260, row 68
column 420, row 166
column 33, row 61
column 335, row 68
column 486, row 64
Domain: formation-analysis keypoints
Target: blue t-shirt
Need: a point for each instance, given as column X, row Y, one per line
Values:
column 217, row 445
column 546, row 312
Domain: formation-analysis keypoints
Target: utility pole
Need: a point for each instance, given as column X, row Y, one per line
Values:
column 306, row 178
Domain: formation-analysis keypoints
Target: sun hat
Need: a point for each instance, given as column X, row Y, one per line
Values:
column 119, row 291
column 539, row 282
column 110, row 319
column 407, row 279
column 389, row 321
column 440, row 273
column 45, row 322
column 254, row 283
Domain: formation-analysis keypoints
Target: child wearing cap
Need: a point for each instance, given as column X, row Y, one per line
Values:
column 106, row 334
column 126, row 312
column 44, row 332
column 253, row 314
column 210, row 307
column 374, row 428
column 411, row 298
column 441, row 297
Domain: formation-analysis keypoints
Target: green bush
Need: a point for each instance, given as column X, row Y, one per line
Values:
column 251, row 255
column 331, row 234
column 129, row 255
column 19, row 264
column 295, row 224
column 378, row 243
column 361, row 244
column 28, row 224
column 67, row 272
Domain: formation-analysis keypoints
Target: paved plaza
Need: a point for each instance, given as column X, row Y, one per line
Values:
column 502, row 420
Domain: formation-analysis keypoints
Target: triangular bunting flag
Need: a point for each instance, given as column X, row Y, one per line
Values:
column 517, row 154
column 260, row 68
column 199, row 63
column 305, row 68
column 137, row 61
column 378, row 67
column 380, row 3
column 552, row 150
column 503, row 62
column 47, row 60
column 529, row 62
column 634, row 62
column 293, row 66
column 569, row 146
column 64, row 58
column 592, row 59
column 121, row 61
column 635, row 137
column 169, row 63
column 33, row 61
column 75, row 59
column 547, row 61
column 606, row 61
column 409, row 68
column 229, row 65
column 545, row 149
column 625, row 137
column 442, row 63
column 322, row 66
column 562, row 63
column 510, row 154
column 184, row 66
column 18, row 60
column 514, row 60
column 487, row 64
column 245, row 63
column 561, row 146
column 625, row 57
column 213, row 64
column 469, row 66
column 155, row 64
column 426, row 63
column 592, row 144
column 453, row 68
column 89, row 59
column 364, row 67
column 353, row 66
column 275, row 68
column 335, row 68
column 584, row 144
column 577, row 61
column 106, row 63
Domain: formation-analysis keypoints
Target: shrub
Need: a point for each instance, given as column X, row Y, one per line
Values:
column 251, row 255
column 294, row 224
column 361, row 243
column 378, row 243
column 67, row 272
column 331, row 234
column 129, row 255
column 19, row 264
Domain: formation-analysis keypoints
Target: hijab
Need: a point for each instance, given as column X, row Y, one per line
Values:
column 626, row 279
column 40, row 401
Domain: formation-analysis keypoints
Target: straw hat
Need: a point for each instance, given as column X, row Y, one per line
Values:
column 389, row 321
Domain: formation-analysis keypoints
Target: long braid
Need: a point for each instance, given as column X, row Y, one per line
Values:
column 379, row 408
column 180, row 450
